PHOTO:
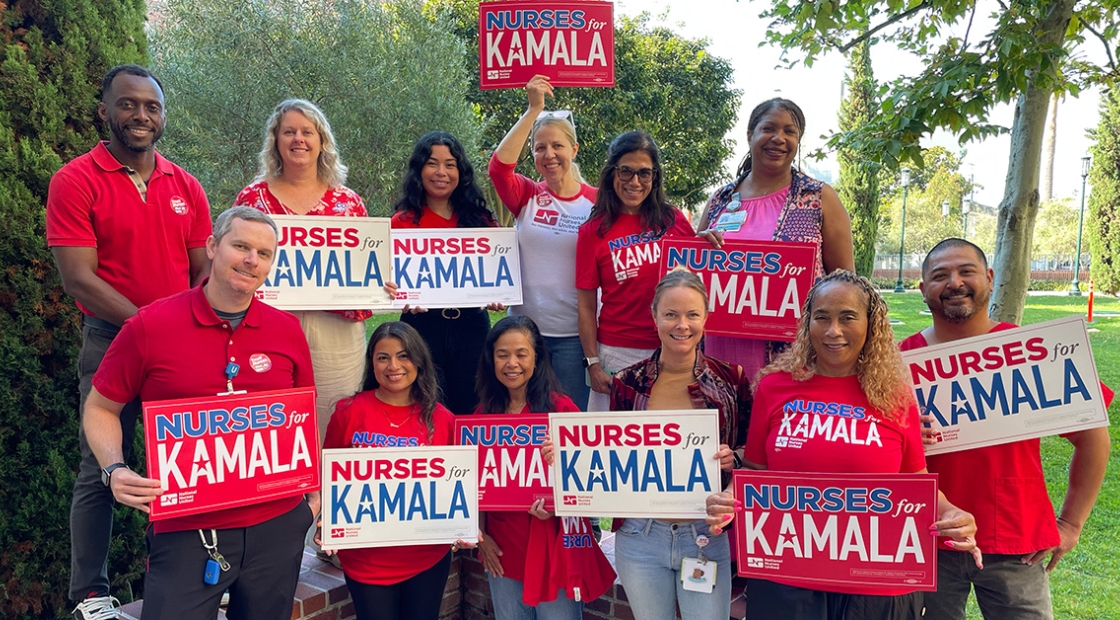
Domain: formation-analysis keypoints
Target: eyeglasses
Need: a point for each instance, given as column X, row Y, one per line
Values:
column 625, row 173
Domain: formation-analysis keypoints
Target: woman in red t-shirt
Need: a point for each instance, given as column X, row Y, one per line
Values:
column 844, row 358
column 618, row 252
column 439, row 191
column 301, row 173
column 515, row 376
column 397, row 407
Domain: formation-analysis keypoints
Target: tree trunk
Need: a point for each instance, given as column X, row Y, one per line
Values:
column 1019, row 207
column 1048, row 150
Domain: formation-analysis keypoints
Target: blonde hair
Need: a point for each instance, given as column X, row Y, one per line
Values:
column 331, row 169
column 882, row 375
column 567, row 128
column 679, row 277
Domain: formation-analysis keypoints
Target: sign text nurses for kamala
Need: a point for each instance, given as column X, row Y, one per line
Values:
column 570, row 42
column 328, row 263
column 384, row 497
column 755, row 288
column 512, row 472
column 231, row 451
column 1008, row 385
column 658, row 464
column 453, row 267
column 830, row 530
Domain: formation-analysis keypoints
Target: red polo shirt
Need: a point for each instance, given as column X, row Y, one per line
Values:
column 141, row 244
column 178, row 348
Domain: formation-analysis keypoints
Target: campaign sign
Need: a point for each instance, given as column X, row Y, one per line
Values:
column 231, row 451
column 570, row 42
column 822, row 530
column 512, row 473
column 452, row 267
column 658, row 464
column 385, row 497
column 1008, row 385
column 329, row 263
column 755, row 288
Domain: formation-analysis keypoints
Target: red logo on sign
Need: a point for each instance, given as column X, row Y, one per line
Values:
column 260, row 362
column 179, row 205
column 547, row 217
column 569, row 500
column 338, row 532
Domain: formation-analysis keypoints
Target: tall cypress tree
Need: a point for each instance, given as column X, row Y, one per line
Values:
column 1102, row 226
column 55, row 53
column 859, row 184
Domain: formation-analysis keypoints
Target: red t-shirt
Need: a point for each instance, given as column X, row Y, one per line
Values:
column 92, row 202
column 624, row 263
column 362, row 421
column 341, row 201
column 510, row 529
column 1002, row 486
column 830, row 428
column 428, row 219
column 177, row 347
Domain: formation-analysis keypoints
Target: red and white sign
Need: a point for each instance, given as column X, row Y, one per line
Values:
column 820, row 530
column 386, row 497
column 512, row 474
column 231, row 451
column 456, row 267
column 1008, row 385
column 755, row 288
column 324, row 262
column 570, row 42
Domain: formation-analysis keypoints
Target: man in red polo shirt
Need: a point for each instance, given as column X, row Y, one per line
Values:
column 1003, row 486
column 126, row 227
column 187, row 346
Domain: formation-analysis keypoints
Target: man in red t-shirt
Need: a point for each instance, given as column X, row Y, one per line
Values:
column 126, row 228
column 1003, row 486
column 207, row 340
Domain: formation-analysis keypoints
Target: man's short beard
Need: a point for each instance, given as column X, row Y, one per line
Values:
column 959, row 314
column 122, row 137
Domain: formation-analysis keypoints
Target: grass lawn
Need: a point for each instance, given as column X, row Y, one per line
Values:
column 1086, row 583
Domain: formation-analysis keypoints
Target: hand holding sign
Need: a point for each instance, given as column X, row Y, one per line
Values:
column 132, row 489
column 721, row 509
column 957, row 524
column 538, row 88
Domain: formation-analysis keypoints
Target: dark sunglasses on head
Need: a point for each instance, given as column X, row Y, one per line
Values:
column 625, row 173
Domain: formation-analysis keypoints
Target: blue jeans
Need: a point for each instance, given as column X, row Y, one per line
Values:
column 566, row 354
column 505, row 593
column 648, row 556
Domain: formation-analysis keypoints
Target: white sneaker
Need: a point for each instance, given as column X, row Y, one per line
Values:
column 98, row 608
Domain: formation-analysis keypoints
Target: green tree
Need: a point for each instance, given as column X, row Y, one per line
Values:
column 382, row 73
column 665, row 84
column 859, row 184
column 1015, row 59
column 926, row 222
column 55, row 54
column 1102, row 223
column 1056, row 232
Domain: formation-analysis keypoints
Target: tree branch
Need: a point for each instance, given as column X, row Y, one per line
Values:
column 971, row 16
column 1107, row 49
column 897, row 18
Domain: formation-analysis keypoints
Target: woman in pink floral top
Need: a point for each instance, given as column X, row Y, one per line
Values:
column 301, row 174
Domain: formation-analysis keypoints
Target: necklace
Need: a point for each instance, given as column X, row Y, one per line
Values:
column 390, row 420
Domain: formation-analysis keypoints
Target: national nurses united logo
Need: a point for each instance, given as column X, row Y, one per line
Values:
column 548, row 217
column 178, row 205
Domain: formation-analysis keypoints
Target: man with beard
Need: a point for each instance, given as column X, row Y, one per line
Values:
column 126, row 227
column 1003, row 486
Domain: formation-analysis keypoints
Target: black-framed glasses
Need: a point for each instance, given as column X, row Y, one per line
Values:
column 625, row 173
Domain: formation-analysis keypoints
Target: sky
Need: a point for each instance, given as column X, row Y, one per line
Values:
column 735, row 30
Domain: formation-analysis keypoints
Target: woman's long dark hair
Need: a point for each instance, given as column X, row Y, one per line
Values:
column 425, row 390
column 757, row 113
column 657, row 214
column 493, row 396
column 467, row 201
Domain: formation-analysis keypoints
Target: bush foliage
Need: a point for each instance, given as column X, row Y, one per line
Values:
column 1102, row 223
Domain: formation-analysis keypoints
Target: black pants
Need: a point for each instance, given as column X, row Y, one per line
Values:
column 91, row 508
column 766, row 599
column 264, row 569
column 455, row 337
column 418, row 598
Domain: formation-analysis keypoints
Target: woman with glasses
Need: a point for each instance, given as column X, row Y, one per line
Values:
column 548, row 214
column 770, row 199
column 617, row 255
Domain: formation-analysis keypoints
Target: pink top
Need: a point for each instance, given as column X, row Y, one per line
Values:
column 762, row 218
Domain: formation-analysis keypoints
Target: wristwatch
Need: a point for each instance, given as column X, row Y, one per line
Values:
column 107, row 473
column 588, row 361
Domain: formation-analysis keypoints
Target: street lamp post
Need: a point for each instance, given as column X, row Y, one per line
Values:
column 902, row 240
column 966, row 206
column 1075, row 286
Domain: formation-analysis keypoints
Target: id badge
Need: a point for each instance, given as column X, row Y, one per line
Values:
column 730, row 222
column 698, row 576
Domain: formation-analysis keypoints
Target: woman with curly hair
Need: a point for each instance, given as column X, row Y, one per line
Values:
column 844, row 355
column 440, row 191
